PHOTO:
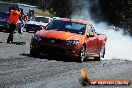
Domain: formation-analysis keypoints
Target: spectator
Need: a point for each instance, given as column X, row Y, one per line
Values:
column 14, row 15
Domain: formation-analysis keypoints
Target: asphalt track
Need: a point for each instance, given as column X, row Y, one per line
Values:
column 19, row 70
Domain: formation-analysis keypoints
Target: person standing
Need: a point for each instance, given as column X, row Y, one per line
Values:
column 24, row 18
column 14, row 16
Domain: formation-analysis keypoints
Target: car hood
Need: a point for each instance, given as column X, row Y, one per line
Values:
column 37, row 23
column 59, row 35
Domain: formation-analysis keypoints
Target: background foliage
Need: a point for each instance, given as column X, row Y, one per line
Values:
column 117, row 12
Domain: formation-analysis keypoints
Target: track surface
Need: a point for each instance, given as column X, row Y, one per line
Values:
column 19, row 70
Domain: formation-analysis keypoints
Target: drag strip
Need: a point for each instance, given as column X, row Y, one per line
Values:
column 19, row 70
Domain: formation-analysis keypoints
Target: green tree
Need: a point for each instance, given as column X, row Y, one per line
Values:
column 61, row 8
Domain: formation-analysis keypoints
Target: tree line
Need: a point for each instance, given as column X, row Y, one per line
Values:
column 117, row 12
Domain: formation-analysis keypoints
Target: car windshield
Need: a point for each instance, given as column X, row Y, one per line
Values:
column 42, row 19
column 67, row 26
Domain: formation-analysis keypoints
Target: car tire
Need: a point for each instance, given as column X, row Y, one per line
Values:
column 101, row 54
column 34, row 53
column 27, row 30
column 82, row 54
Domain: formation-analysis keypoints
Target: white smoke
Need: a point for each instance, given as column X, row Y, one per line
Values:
column 119, row 46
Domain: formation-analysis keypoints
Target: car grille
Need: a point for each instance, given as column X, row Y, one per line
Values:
column 51, row 49
column 53, row 41
column 32, row 26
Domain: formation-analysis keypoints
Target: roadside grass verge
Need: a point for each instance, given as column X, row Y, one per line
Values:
column 41, row 13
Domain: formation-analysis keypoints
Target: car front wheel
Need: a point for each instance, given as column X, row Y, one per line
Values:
column 34, row 53
column 82, row 54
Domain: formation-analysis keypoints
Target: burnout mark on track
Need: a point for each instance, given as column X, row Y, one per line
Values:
column 51, row 61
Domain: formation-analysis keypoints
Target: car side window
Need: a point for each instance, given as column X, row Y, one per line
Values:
column 90, row 29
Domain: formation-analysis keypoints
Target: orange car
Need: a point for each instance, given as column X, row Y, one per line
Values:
column 69, row 37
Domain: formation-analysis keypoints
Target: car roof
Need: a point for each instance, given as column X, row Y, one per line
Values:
column 73, row 20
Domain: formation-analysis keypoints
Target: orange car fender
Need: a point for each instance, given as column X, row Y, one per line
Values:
column 84, row 41
column 102, row 41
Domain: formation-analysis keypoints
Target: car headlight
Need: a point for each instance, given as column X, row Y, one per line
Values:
column 36, row 37
column 72, row 42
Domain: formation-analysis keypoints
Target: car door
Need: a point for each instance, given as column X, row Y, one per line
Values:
column 91, row 41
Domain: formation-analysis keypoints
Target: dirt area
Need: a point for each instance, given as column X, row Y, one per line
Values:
column 19, row 70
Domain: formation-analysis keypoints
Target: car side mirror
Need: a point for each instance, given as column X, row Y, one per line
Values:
column 91, row 34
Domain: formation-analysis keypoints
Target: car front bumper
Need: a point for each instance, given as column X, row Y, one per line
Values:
column 55, row 49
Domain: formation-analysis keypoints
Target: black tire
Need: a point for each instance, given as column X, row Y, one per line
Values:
column 27, row 30
column 34, row 53
column 82, row 54
column 35, row 31
column 101, row 54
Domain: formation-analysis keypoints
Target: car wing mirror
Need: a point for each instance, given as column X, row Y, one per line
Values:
column 91, row 34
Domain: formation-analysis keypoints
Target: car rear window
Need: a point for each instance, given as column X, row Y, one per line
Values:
column 67, row 26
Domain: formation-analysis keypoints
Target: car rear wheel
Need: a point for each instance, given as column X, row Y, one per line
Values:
column 101, row 54
column 34, row 53
column 82, row 54
column 27, row 30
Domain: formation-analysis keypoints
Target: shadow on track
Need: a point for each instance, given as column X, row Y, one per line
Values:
column 51, row 57
column 56, row 57
column 1, row 42
column 19, row 43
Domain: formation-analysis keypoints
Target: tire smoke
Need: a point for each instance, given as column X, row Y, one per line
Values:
column 119, row 43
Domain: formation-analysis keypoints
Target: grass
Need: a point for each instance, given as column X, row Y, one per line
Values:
column 41, row 13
